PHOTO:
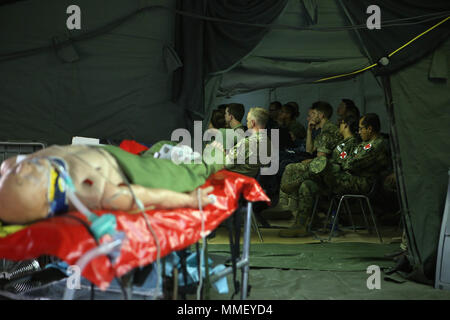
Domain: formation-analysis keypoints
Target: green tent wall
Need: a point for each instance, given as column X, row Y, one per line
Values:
column 114, row 85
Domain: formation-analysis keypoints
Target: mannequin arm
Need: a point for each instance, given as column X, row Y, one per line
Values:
column 120, row 198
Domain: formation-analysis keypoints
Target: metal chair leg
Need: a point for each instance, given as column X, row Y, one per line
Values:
column 335, row 218
column 313, row 213
column 349, row 212
column 374, row 221
column 369, row 229
column 329, row 211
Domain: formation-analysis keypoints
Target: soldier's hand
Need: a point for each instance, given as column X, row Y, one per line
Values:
column 311, row 125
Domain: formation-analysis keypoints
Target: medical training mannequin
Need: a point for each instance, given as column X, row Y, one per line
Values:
column 29, row 189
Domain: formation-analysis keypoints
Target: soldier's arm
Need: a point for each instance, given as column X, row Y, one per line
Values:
column 325, row 143
column 364, row 158
column 309, row 139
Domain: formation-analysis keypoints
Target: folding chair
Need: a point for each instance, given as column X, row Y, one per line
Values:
column 342, row 200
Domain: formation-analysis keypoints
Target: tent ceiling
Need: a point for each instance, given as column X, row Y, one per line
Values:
column 289, row 56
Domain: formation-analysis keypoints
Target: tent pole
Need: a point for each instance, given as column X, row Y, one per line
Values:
column 412, row 246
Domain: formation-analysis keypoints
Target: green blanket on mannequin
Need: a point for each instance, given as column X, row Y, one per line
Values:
column 150, row 172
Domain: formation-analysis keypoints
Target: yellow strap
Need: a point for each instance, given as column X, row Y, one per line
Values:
column 7, row 230
column 390, row 55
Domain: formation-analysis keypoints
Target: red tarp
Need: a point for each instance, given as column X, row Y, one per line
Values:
column 132, row 146
column 176, row 229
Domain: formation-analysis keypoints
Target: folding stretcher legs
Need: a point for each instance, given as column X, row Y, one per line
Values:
column 243, row 263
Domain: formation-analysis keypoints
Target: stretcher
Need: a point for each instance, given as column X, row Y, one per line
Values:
column 68, row 238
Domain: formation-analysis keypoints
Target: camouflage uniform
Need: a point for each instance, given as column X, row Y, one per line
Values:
column 325, row 142
column 352, row 170
column 328, row 138
column 359, row 170
column 296, row 174
column 244, row 157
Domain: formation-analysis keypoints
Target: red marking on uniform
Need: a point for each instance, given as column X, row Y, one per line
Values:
column 368, row 146
column 343, row 154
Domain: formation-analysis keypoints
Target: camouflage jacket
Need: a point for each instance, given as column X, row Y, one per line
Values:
column 343, row 150
column 368, row 159
column 328, row 138
column 244, row 157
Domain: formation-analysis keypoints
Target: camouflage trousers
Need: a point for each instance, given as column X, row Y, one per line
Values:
column 299, row 182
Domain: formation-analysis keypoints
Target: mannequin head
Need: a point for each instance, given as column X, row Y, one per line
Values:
column 23, row 191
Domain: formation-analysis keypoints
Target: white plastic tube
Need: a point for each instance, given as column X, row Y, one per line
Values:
column 79, row 205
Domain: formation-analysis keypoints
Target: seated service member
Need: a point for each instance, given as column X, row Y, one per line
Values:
column 329, row 135
column 234, row 113
column 288, row 116
column 346, row 107
column 102, row 176
column 348, row 171
column 322, row 144
column 244, row 157
column 295, row 173
column 233, row 116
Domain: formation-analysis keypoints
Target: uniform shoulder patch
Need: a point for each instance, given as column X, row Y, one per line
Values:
column 368, row 146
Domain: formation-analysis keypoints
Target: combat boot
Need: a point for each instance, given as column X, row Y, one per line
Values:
column 297, row 230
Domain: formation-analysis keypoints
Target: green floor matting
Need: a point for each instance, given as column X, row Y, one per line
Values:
column 277, row 284
column 322, row 271
column 320, row 256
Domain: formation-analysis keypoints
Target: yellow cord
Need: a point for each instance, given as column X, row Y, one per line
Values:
column 390, row 55
column 426, row 31
column 347, row 74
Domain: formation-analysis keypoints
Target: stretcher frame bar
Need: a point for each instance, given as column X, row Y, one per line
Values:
column 244, row 262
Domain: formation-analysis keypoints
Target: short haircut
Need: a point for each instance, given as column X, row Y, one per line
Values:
column 351, row 108
column 260, row 115
column 371, row 120
column 293, row 113
column 222, row 107
column 237, row 110
column 277, row 104
column 218, row 119
column 323, row 107
column 352, row 122
column 295, row 106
